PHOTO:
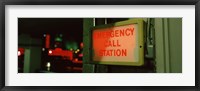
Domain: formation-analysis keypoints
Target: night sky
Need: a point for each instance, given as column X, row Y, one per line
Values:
column 71, row 28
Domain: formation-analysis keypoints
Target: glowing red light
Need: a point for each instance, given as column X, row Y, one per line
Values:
column 81, row 45
column 60, row 52
column 80, row 55
column 76, row 59
column 19, row 53
column 50, row 51
column 47, row 44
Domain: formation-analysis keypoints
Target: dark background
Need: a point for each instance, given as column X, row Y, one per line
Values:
column 71, row 28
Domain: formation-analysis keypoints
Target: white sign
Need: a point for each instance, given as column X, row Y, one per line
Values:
column 115, row 44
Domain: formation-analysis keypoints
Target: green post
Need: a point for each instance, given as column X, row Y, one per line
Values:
column 87, row 25
column 32, row 55
column 159, row 45
column 35, row 59
column 175, row 37
column 27, row 61
column 168, row 39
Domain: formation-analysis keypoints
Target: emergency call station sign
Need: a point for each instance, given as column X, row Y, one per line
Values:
column 117, row 44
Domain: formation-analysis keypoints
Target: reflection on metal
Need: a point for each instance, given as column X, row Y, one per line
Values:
column 94, row 22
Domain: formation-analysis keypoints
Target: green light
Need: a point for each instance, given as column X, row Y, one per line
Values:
column 58, row 39
column 71, row 44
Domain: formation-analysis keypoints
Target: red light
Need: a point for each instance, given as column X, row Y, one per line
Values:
column 81, row 45
column 60, row 52
column 19, row 53
column 80, row 55
column 58, row 49
column 47, row 44
column 76, row 59
column 50, row 52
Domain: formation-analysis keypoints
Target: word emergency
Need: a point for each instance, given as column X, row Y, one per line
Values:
column 111, row 40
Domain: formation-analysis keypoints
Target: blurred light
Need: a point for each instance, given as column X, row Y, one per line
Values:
column 48, row 68
column 48, row 64
column 81, row 45
column 78, row 50
column 44, row 35
column 76, row 59
column 43, row 49
column 50, row 51
column 58, row 39
column 75, row 51
column 71, row 49
column 80, row 55
column 19, row 53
